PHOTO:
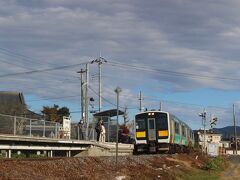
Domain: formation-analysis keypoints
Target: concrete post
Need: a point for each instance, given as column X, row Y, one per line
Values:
column 9, row 153
column 69, row 153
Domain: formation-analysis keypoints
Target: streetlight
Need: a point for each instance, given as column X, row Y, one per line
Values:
column 117, row 90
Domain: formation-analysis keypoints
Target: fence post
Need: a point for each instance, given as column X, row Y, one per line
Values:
column 93, row 127
column 14, row 125
column 44, row 128
column 30, row 128
column 56, row 130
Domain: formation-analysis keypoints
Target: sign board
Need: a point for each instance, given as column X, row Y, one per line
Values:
column 213, row 149
column 67, row 126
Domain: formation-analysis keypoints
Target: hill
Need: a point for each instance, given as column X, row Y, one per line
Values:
column 227, row 132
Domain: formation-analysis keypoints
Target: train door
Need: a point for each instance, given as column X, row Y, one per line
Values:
column 151, row 129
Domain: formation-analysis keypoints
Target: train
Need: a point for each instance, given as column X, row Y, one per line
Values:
column 159, row 131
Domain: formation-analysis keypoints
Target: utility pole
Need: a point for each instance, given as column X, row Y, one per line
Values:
column 204, row 112
column 86, row 100
column 235, row 128
column 140, row 101
column 203, row 115
column 100, row 61
column 82, row 94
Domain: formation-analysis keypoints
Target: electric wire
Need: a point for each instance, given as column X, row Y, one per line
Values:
column 174, row 73
column 42, row 70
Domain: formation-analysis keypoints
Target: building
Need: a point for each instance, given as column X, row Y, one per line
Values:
column 13, row 103
column 212, row 143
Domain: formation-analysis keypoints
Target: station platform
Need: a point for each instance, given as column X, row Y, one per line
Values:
column 60, row 147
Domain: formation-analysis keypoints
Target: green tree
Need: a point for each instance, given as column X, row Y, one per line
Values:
column 55, row 113
column 64, row 111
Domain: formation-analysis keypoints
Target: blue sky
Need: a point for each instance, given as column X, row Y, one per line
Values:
column 184, row 53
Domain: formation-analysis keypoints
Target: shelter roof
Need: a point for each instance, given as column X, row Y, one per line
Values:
column 108, row 113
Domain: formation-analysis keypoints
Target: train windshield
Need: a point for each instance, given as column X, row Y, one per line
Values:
column 140, row 124
column 162, row 121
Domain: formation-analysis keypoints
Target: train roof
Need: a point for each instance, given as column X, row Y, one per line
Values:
column 151, row 111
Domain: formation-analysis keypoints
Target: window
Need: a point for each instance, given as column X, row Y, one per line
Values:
column 140, row 124
column 151, row 124
column 183, row 131
column 176, row 125
column 161, row 121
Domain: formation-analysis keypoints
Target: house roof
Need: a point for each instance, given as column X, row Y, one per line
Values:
column 12, row 103
column 6, row 96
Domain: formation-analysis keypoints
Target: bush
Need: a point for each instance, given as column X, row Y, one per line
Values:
column 215, row 164
column 37, row 156
column 18, row 155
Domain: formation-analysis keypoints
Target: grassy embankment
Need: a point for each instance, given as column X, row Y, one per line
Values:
column 210, row 171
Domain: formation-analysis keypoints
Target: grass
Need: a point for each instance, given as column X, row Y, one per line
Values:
column 199, row 174
column 210, row 171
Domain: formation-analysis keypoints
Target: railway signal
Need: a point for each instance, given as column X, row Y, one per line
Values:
column 213, row 121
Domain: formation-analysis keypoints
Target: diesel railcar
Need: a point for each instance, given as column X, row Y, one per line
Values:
column 158, row 131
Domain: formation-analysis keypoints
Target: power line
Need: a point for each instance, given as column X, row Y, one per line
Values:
column 20, row 57
column 17, row 65
column 108, row 100
column 174, row 73
column 62, row 97
column 42, row 70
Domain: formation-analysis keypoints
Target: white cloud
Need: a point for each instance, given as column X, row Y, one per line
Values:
column 189, row 37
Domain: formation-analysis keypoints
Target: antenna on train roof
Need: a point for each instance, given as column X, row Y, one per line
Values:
column 160, row 106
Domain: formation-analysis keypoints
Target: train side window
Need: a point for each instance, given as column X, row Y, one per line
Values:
column 140, row 124
column 176, row 125
column 183, row 131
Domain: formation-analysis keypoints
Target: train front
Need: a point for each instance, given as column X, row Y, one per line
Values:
column 152, row 131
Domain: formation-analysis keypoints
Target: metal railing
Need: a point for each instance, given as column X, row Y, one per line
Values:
column 79, row 131
column 21, row 126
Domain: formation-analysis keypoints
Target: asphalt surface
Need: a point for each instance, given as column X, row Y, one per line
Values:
column 233, row 170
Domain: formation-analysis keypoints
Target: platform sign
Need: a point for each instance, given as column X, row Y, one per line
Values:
column 67, row 126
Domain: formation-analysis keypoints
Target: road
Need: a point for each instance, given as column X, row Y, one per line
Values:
column 233, row 170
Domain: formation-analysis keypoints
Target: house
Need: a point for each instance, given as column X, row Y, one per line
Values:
column 13, row 103
column 211, row 142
